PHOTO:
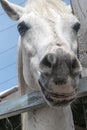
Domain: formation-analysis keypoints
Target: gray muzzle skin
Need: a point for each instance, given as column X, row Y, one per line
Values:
column 56, row 68
column 52, row 102
column 56, row 99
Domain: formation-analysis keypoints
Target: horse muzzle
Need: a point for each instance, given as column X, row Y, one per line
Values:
column 54, row 98
column 59, row 71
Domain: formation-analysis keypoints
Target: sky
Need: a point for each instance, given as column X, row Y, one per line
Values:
column 8, row 49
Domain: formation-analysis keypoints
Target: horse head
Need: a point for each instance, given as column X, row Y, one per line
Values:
column 48, row 36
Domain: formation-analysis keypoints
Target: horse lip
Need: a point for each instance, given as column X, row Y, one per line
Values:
column 64, row 95
column 56, row 99
column 57, row 95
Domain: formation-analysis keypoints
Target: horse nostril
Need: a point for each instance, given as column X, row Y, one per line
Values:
column 48, row 60
column 76, row 66
column 51, row 58
column 58, row 44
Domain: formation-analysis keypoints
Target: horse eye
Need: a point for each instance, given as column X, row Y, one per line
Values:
column 22, row 28
column 76, row 27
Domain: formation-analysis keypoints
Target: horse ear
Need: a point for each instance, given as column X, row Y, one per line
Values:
column 12, row 10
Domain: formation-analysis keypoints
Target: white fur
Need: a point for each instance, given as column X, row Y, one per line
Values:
column 50, row 22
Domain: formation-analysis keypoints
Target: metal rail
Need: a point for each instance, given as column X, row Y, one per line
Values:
column 21, row 104
column 31, row 101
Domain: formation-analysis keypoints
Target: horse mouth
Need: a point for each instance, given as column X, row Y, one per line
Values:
column 57, row 99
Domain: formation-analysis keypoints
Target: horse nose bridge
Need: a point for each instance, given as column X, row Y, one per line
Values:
column 60, row 71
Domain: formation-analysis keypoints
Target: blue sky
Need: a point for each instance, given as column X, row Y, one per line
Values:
column 8, row 49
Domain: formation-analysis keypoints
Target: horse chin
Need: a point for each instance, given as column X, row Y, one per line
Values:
column 56, row 99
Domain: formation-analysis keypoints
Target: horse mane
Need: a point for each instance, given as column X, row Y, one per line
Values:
column 46, row 6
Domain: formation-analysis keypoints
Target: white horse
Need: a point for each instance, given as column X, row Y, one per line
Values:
column 47, row 60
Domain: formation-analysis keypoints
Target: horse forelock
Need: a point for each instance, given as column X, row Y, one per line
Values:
column 45, row 6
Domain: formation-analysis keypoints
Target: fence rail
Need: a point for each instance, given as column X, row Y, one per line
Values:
column 31, row 101
column 21, row 104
